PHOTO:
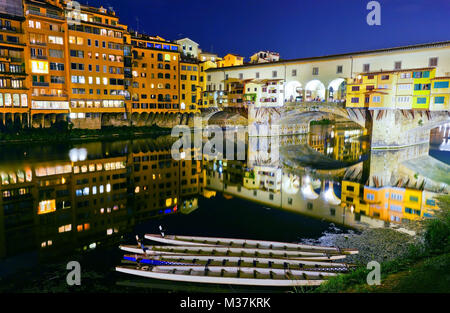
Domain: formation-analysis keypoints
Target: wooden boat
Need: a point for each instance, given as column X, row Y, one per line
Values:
column 236, row 261
column 244, row 243
column 230, row 275
column 227, row 251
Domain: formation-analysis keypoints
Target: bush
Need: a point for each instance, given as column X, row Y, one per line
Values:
column 437, row 230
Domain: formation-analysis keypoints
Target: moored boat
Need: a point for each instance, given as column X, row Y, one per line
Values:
column 230, row 275
column 205, row 260
column 227, row 251
column 244, row 243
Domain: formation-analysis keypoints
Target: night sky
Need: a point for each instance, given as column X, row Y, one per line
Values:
column 294, row 28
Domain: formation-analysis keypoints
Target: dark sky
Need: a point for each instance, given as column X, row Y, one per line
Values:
column 294, row 28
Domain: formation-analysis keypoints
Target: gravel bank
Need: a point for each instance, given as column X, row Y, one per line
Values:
column 374, row 244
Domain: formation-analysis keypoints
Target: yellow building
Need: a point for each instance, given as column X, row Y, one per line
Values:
column 207, row 98
column 231, row 60
column 190, row 87
column 440, row 93
column 393, row 204
column 14, row 94
column 352, row 196
column 399, row 89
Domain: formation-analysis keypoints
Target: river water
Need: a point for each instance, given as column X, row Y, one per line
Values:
column 79, row 201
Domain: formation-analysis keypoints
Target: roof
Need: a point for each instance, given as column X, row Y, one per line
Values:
column 350, row 54
column 236, row 55
column 442, row 77
column 186, row 38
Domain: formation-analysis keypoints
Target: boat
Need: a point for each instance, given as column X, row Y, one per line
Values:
column 246, row 276
column 236, row 261
column 227, row 251
column 244, row 243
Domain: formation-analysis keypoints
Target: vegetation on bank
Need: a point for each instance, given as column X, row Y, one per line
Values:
column 63, row 131
column 424, row 268
column 321, row 122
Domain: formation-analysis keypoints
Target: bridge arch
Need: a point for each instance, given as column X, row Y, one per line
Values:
column 337, row 89
column 293, row 90
column 314, row 90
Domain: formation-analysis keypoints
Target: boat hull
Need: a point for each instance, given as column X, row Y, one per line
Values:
column 221, row 280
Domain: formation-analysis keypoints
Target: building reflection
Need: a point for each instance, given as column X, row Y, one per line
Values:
column 92, row 196
column 97, row 192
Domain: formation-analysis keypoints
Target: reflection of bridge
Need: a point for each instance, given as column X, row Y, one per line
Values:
column 388, row 128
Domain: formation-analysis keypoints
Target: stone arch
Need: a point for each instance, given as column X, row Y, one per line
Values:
column 314, row 90
column 336, row 90
column 293, row 91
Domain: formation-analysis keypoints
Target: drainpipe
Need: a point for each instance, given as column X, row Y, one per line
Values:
column 351, row 69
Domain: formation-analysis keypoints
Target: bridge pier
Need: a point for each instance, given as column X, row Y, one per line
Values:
column 392, row 129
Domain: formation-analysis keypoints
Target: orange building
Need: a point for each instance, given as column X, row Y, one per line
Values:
column 154, row 82
column 14, row 95
column 96, row 67
column 46, row 61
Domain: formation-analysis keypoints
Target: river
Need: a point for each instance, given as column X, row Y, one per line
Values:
column 79, row 201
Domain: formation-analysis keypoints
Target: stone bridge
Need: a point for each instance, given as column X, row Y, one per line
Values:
column 388, row 128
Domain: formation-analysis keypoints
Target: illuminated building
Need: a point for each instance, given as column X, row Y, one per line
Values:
column 190, row 89
column 96, row 67
column 265, row 57
column 399, row 89
column 231, row 60
column 188, row 48
column 47, row 61
column 154, row 82
column 14, row 94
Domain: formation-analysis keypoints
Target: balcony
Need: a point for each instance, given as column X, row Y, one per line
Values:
column 49, row 15
column 39, row 57
column 40, row 84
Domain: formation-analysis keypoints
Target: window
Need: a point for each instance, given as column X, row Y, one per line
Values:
column 398, row 65
column 315, row 71
column 404, row 87
column 376, row 99
column 274, row 74
column 439, row 100
column 405, row 75
column 422, row 100
column 241, row 76
column 370, row 196
column 257, row 75
column 294, row 72
column 433, row 62
column 339, row 69
column 441, row 84
column 366, row 68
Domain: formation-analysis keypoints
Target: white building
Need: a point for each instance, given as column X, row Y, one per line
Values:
column 188, row 47
column 316, row 78
column 265, row 57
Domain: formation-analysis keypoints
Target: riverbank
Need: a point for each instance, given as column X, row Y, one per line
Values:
column 61, row 134
column 408, row 263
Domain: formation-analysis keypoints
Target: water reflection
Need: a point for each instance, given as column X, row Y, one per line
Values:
column 62, row 197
